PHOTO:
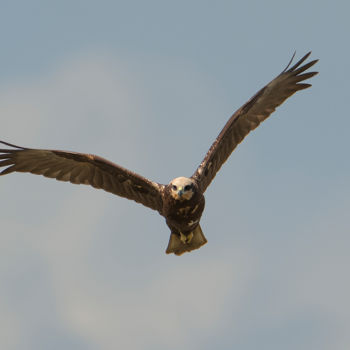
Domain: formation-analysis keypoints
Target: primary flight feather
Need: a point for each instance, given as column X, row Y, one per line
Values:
column 181, row 202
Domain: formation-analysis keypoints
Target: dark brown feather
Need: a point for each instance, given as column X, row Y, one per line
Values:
column 249, row 116
column 79, row 168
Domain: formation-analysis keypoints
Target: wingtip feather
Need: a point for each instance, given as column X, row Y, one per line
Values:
column 10, row 145
column 297, row 64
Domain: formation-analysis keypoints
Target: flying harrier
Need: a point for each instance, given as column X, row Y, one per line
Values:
column 181, row 202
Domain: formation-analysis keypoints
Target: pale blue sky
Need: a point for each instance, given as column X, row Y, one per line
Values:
column 149, row 85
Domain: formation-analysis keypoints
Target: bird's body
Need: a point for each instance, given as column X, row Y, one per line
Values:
column 183, row 214
column 181, row 202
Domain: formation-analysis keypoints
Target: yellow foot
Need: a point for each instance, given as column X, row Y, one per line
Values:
column 186, row 239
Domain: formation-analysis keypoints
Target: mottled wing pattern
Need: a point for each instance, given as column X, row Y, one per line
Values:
column 79, row 168
column 250, row 115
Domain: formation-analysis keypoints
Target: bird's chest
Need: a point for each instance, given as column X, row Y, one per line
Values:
column 185, row 214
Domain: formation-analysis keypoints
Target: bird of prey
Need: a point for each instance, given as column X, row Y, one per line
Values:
column 181, row 202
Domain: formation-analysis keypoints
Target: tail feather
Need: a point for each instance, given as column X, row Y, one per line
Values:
column 179, row 246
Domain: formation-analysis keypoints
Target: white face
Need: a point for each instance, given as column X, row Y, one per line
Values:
column 182, row 188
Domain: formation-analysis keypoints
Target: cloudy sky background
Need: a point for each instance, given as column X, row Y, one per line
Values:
column 149, row 85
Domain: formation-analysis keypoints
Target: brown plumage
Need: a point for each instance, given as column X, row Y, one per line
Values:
column 181, row 202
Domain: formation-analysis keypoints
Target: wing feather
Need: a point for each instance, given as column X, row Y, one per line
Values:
column 79, row 168
column 250, row 115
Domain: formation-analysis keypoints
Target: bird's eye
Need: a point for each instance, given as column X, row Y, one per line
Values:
column 174, row 187
column 188, row 187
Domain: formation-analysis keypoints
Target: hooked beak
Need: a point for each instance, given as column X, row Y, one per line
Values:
column 180, row 191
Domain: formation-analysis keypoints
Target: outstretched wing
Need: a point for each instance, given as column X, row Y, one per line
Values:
column 79, row 168
column 250, row 115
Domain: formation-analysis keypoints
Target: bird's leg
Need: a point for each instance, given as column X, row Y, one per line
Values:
column 186, row 239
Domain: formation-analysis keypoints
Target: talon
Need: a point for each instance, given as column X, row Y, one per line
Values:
column 182, row 237
column 186, row 239
column 189, row 238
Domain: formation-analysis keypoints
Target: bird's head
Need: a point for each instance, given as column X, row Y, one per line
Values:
column 182, row 188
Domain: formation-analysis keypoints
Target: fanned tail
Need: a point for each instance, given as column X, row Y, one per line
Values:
column 179, row 244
